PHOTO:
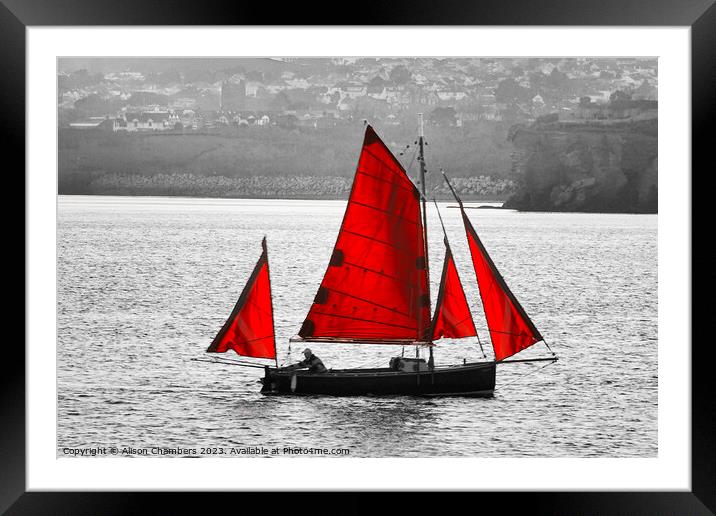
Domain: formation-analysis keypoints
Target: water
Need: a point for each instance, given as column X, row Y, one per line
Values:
column 144, row 284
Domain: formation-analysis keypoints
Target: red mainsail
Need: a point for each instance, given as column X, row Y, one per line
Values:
column 375, row 288
column 249, row 329
column 511, row 330
column 452, row 313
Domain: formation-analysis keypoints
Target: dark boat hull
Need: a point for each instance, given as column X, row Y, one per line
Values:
column 473, row 380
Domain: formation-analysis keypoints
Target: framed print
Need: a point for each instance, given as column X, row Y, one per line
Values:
column 423, row 247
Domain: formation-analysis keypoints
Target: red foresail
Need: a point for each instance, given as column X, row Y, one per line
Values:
column 511, row 330
column 452, row 313
column 375, row 287
column 249, row 329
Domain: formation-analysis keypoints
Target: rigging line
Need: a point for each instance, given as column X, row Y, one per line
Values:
column 412, row 160
column 234, row 362
column 381, row 180
column 221, row 359
column 521, row 334
column 372, row 341
column 482, row 350
column 385, row 212
column 268, row 278
column 379, row 241
column 382, row 274
column 229, row 362
column 248, row 341
column 524, row 376
column 368, row 301
column 388, row 165
column 338, row 316
column 469, row 317
column 416, row 148
column 441, row 219
column 454, row 193
column 550, row 349
column 479, row 341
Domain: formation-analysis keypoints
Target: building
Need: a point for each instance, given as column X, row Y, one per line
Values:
column 352, row 90
column 148, row 121
column 449, row 96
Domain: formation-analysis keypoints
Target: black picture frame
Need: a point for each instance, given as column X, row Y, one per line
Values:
column 700, row 15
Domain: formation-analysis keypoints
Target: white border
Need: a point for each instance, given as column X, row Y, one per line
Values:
column 671, row 470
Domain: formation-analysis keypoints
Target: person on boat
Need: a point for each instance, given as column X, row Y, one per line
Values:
column 312, row 362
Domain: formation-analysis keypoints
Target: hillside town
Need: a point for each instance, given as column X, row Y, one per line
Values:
column 537, row 133
column 323, row 93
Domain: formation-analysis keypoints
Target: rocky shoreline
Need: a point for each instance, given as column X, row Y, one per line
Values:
column 482, row 188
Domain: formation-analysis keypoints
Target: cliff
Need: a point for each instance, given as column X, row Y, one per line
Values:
column 586, row 165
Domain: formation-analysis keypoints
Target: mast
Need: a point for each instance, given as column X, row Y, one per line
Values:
column 264, row 247
column 423, row 204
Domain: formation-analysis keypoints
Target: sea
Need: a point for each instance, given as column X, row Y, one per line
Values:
column 145, row 283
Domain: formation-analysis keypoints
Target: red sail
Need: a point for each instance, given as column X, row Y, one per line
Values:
column 452, row 313
column 375, row 288
column 249, row 329
column 511, row 330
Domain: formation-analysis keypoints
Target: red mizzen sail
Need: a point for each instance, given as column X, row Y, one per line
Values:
column 452, row 313
column 249, row 329
column 375, row 288
column 511, row 330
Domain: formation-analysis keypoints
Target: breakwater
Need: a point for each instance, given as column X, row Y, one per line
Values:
column 266, row 187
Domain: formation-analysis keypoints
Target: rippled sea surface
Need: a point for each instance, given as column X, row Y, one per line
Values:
column 144, row 284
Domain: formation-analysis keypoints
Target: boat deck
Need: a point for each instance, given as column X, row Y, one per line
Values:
column 475, row 379
column 378, row 370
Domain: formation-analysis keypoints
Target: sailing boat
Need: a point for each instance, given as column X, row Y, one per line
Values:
column 376, row 290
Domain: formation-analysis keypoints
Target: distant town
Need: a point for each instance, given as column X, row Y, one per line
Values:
column 324, row 92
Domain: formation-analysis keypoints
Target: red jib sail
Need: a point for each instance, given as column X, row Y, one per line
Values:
column 249, row 329
column 511, row 330
column 452, row 313
column 375, row 288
